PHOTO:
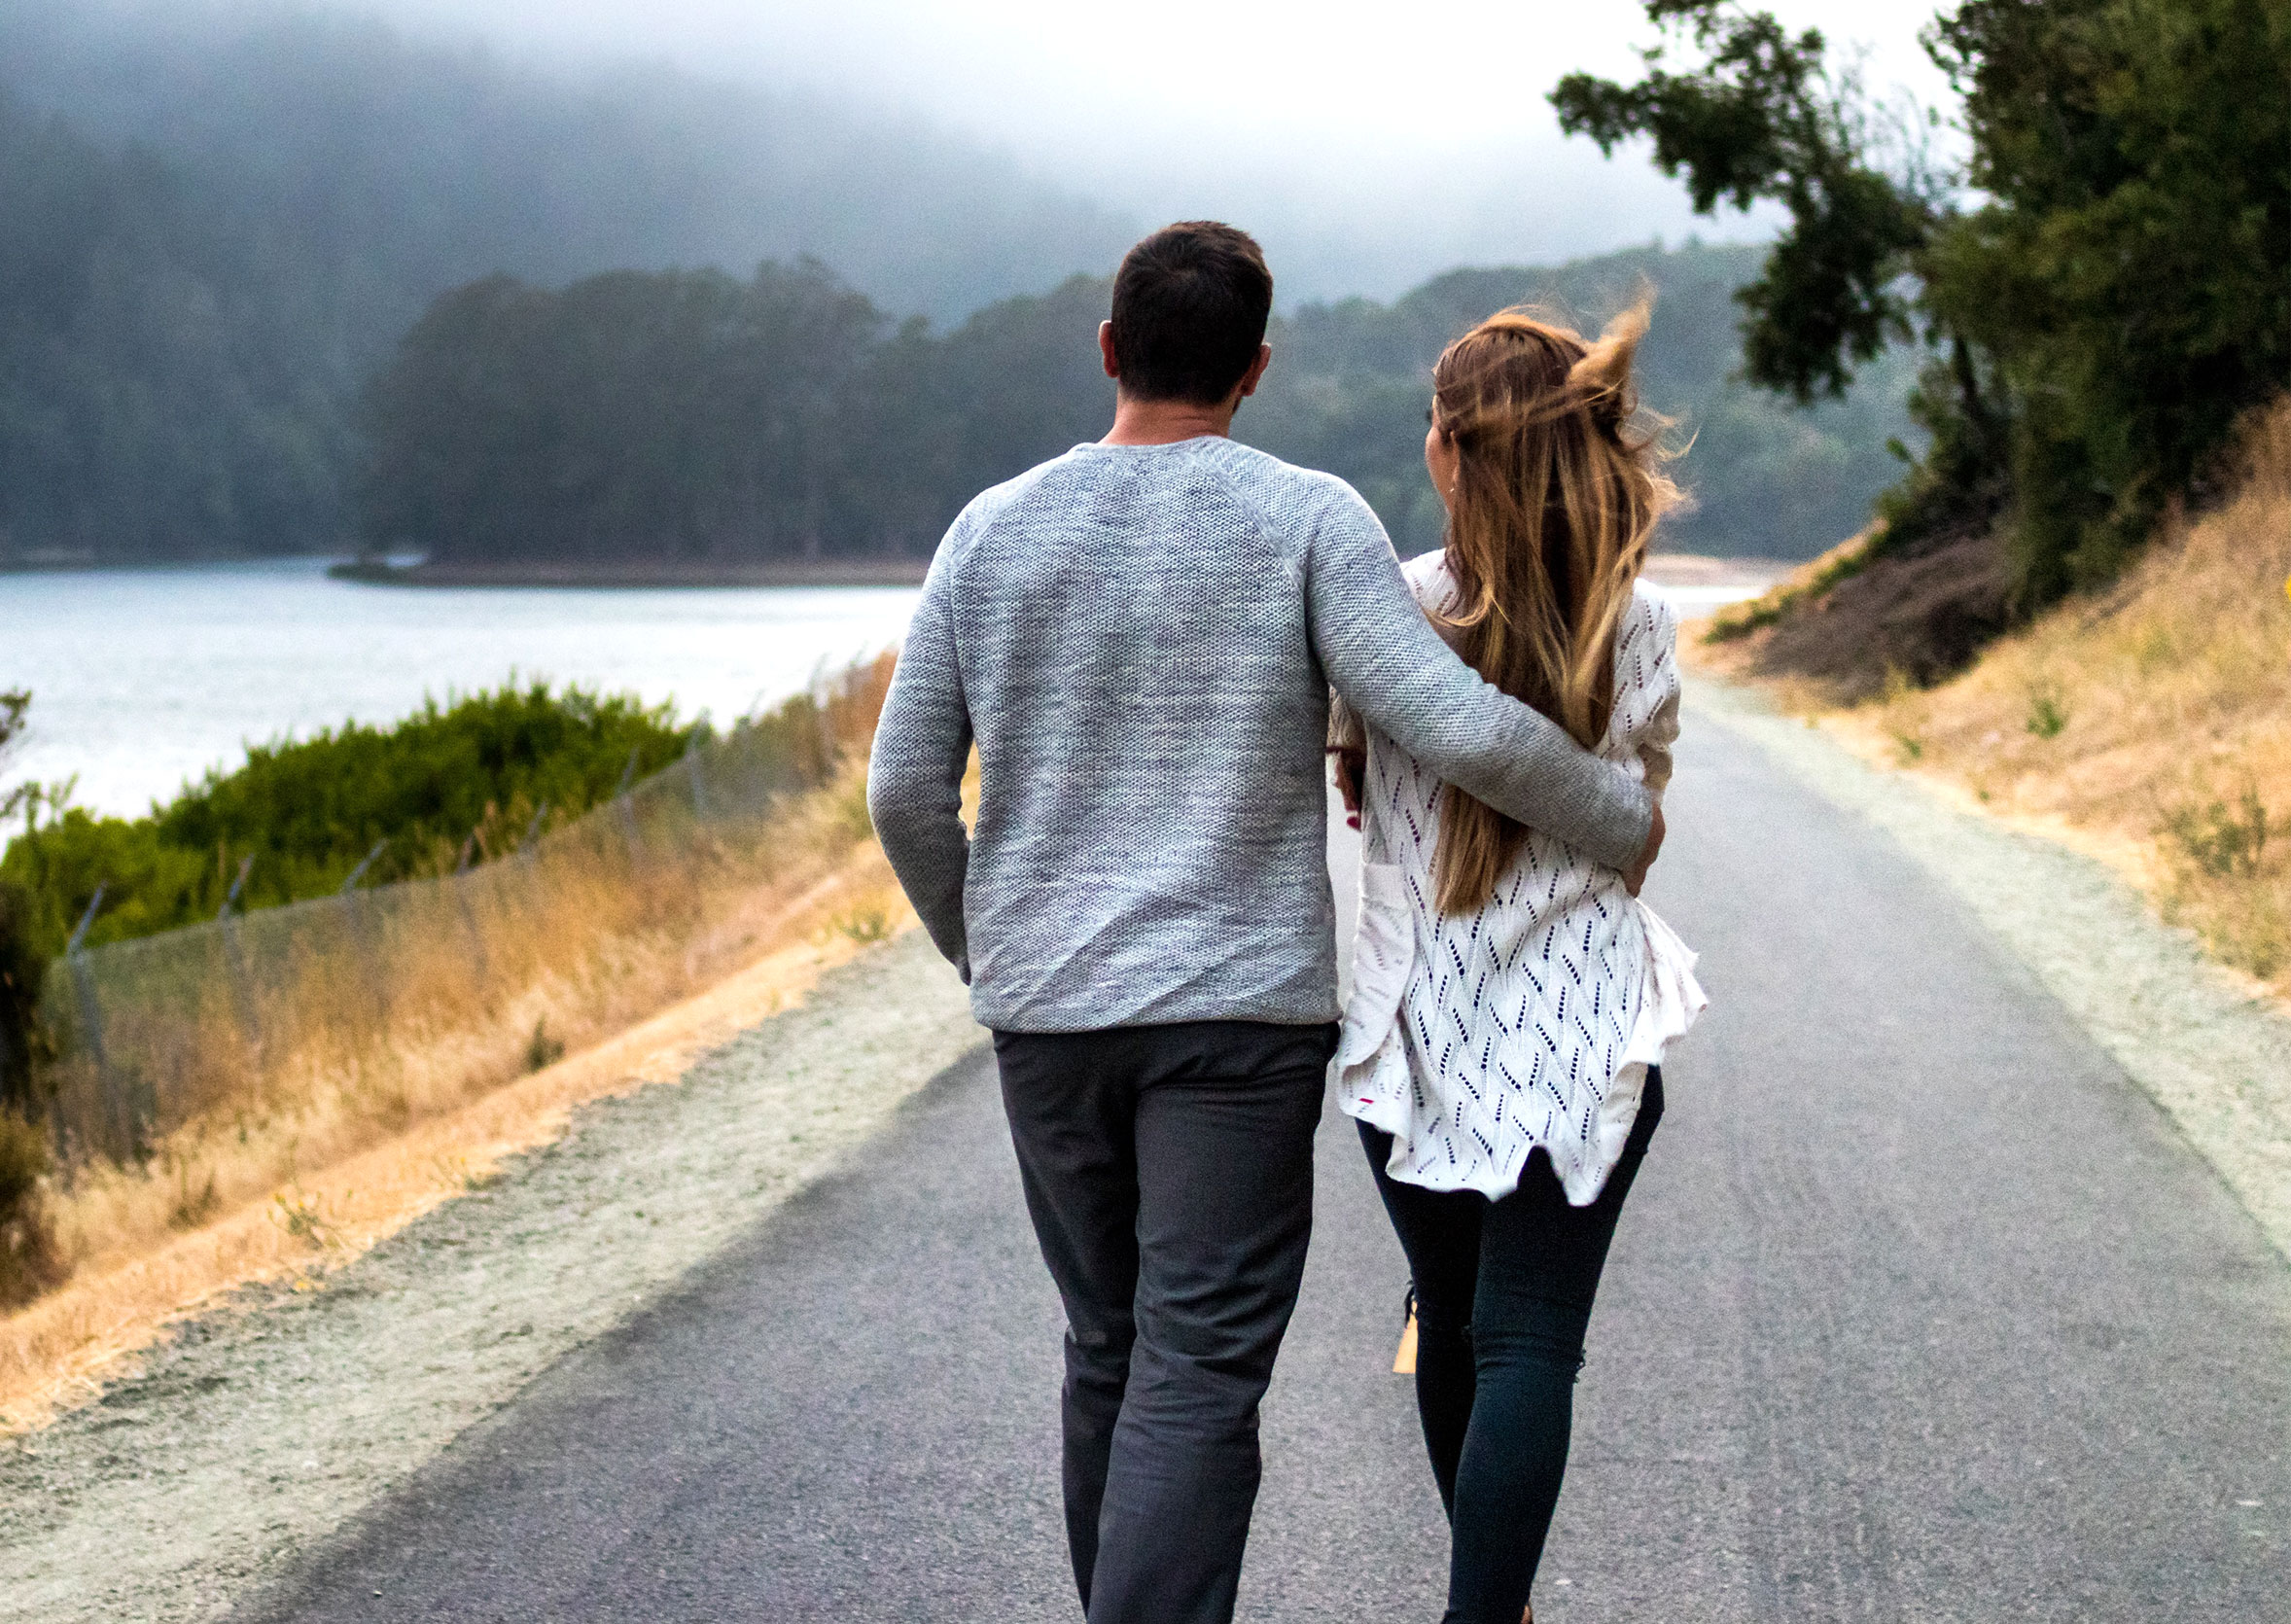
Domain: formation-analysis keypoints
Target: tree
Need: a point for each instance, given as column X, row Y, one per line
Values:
column 2130, row 269
column 23, row 968
column 1765, row 117
column 678, row 414
column 689, row 417
column 2110, row 298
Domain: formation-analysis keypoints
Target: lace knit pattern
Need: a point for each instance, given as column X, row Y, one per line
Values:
column 1474, row 1039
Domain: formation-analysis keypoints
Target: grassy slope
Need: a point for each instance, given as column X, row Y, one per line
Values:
column 329, row 1170
column 2151, row 725
column 326, row 1148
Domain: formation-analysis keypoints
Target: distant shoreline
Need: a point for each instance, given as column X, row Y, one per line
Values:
column 1673, row 570
column 1666, row 568
column 1694, row 569
column 820, row 572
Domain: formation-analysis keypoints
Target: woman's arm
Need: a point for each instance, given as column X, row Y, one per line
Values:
column 1653, row 659
column 1347, row 750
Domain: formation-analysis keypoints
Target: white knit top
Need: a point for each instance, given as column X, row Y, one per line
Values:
column 1474, row 1039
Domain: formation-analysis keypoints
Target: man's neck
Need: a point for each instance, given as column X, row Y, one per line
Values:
column 1165, row 422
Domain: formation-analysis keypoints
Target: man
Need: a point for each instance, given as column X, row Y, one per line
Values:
column 1141, row 636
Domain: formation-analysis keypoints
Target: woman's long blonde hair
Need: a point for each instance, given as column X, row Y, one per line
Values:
column 1558, row 483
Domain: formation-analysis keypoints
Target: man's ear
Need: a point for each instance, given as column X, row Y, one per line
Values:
column 1106, row 351
column 1257, row 370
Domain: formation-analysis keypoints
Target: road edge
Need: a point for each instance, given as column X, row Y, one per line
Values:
column 2200, row 1044
column 267, row 1424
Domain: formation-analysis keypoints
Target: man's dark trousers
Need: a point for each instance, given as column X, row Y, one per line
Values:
column 1169, row 1171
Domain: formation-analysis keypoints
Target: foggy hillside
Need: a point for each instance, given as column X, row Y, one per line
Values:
column 218, row 231
column 697, row 419
column 214, row 227
column 405, row 167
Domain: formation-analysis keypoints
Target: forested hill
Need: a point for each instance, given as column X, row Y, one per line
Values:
column 276, row 282
column 1349, row 386
column 215, row 224
column 402, row 167
column 695, row 418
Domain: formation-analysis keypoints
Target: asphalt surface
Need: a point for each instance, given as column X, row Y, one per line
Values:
column 1920, row 1311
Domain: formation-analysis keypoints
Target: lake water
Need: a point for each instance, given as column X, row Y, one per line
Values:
column 142, row 679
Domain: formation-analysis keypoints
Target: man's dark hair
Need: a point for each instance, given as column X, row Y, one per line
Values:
column 1189, row 309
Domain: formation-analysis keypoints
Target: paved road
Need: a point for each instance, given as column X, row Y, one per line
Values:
column 1919, row 1311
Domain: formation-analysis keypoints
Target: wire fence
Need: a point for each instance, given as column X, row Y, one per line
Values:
column 236, row 1016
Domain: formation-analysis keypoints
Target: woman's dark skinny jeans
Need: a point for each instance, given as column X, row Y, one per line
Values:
column 1503, row 1294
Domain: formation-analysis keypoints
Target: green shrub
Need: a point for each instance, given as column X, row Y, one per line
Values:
column 2222, row 842
column 2048, row 714
column 307, row 812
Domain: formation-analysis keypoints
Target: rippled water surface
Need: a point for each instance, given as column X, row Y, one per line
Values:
column 142, row 679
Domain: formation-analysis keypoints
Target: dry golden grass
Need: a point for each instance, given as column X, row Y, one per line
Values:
column 594, row 951
column 2150, row 725
column 376, row 1007
column 327, row 1205
column 351, row 1119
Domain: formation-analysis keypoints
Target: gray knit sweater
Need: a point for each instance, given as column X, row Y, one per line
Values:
column 1142, row 641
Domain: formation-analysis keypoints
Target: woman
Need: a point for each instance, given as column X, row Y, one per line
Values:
column 1511, row 1001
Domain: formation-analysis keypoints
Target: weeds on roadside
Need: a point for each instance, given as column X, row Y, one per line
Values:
column 299, row 1216
column 542, row 1050
column 1905, row 727
column 193, row 1208
column 2154, row 715
column 866, row 926
column 2229, row 884
column 851, row 818
column 2048, row 712
column 2219, row 841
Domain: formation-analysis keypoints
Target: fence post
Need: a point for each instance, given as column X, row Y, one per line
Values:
column 362, row 932
column 241, row 983
column 626, row 811
column 527, row 892
column 469, row 914
column 107, row 1090
column 696, row 779
column 823, row 727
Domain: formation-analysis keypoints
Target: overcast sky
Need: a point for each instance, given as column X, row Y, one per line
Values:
column 1393, row 139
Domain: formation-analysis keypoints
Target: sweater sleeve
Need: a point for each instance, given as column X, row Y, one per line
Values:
column 915, row 772
column 1383, row 656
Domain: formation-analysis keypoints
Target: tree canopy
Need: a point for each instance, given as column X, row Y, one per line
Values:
column 691, row 417
column 2103, row 288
